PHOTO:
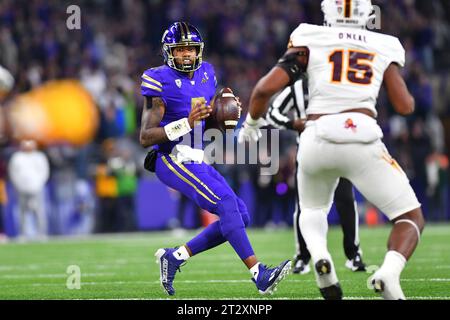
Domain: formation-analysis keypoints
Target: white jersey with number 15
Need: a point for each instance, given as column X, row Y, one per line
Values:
column 346, row 66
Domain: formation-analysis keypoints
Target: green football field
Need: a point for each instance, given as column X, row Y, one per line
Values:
column 123, row 267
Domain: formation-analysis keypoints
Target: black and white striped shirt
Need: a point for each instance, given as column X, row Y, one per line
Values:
column 294, row 97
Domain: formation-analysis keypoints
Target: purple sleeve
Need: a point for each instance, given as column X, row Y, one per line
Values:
column 151, row 86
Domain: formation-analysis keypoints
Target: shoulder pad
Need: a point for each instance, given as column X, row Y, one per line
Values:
column 151, row 84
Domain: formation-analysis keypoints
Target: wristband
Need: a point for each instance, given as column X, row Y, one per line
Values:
column 177, row 129
column 250, row 121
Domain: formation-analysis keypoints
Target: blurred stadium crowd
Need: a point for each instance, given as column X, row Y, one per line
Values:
column 119, row 39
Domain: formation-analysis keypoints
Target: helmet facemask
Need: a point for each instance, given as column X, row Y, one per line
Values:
column 170, row 59
column 182, row 34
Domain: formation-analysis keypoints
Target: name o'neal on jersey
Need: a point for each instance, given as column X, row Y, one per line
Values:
column 352, row 36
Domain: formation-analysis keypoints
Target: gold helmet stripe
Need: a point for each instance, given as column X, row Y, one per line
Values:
column 184, row 31
column 183, row 34
column 188, row 32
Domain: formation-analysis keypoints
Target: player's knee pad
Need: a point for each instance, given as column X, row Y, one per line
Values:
column 230, row 217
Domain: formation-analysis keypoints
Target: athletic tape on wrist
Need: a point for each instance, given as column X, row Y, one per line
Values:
column 250, row 121
column 177, row 129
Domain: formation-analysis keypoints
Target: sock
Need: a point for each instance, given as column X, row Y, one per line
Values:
column 181, row 253
column 254, row 271
column 394, row 262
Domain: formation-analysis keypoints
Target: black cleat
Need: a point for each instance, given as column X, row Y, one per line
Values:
column 300, row 266
column 356, row 264
column 333, row 292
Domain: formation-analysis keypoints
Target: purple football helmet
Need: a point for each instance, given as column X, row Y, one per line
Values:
column 181, row 34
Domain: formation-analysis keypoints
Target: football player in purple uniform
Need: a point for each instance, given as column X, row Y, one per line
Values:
column 177, row 97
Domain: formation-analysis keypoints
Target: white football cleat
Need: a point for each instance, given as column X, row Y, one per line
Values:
column 387, row 284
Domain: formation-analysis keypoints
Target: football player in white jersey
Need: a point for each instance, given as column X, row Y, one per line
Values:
column 346, row 65
column 287, row 111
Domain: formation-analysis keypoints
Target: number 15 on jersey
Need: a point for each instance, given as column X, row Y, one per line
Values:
column 359, row 68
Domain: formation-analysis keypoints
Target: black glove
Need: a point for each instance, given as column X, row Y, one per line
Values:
column 150, row 160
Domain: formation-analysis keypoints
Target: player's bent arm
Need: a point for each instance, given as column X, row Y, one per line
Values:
column 398, row 93
column 152, row 115
column 152, row 134
column 287, row 70
column 266, row 87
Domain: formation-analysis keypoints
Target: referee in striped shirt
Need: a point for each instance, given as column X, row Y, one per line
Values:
column 287, row 111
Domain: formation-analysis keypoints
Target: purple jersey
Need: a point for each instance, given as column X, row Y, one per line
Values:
column 180, row 94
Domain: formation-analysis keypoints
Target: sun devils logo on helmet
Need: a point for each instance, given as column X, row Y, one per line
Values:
column 347, row 13
column 182, row 34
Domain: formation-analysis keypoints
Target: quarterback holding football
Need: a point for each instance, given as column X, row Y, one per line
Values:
column 178, row 95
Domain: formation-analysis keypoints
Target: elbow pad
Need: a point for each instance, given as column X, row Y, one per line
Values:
column 294, row 64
